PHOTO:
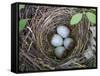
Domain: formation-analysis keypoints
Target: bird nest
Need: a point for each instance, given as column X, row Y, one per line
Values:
column 35, row 47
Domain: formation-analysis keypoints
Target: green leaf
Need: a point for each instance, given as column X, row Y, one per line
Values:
column 91, row 17
column 22, row 24
column 76, row 18
column 21, row 6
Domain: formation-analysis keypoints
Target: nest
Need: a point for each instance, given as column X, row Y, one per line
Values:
column 36, row 46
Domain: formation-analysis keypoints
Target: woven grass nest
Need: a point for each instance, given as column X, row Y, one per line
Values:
column 40, row 54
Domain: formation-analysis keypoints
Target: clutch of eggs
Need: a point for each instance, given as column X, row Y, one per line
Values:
column 61, row 41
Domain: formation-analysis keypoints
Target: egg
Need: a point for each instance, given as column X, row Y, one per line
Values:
column 63, row 31
column 56, row 40
column 59, row 51
column 68, row 43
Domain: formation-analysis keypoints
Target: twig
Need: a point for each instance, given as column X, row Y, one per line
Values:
column 30, row 46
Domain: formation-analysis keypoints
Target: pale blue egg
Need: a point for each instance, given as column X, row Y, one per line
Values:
column 56, row 40
column 63, row 31
column 68, row 42
column 59, row 51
